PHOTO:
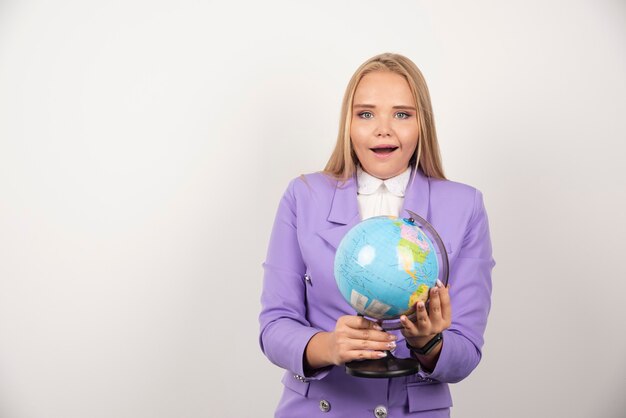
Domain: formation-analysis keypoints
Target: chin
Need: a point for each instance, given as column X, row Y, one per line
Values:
column 384, row 172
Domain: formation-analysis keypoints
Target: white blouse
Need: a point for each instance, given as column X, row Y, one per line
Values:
column 378, row 197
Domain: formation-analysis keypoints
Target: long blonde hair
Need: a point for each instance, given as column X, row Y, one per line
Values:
column 342, row 162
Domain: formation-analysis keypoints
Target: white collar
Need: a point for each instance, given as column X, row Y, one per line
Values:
column 368, row 184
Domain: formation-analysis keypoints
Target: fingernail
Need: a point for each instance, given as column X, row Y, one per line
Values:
column 391, row 345
column 435, row 290
column 392, row 337
column 439, row 283
column 377, row 327
column 382, row 354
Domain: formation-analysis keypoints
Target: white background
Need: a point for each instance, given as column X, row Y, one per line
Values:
column 144, row 146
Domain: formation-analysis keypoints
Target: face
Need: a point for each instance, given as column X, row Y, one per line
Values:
column 384, row 128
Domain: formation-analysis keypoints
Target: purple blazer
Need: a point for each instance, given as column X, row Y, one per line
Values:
column 300, row 297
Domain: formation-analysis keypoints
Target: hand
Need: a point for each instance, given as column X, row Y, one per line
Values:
column 357, row 338
column 431, row 321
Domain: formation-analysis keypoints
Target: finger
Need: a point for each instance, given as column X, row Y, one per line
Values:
column 409, row 329
column 422, row 321
column 360, row 328
column 359, row 322
column 446, row 307
column 365, row 355
column 375, row 340
column 371, row 345
column 434, row 308
column 369, row 335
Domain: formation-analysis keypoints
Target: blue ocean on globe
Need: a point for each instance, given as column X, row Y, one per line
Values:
column 384, row 265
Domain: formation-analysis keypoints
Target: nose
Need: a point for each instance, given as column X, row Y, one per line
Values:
column 382, row 128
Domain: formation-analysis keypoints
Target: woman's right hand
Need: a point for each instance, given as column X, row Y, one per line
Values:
column 354, row 338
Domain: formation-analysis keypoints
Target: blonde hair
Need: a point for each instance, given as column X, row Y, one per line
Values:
column 342, row 162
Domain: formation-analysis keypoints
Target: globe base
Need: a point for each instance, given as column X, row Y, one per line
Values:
column 383, row 368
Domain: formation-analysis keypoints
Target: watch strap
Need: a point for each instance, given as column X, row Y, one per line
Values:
column 428, row 347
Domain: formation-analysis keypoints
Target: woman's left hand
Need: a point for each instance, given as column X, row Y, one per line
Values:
column 431, row 321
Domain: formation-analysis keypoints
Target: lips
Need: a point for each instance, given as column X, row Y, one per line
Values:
column 384, row 149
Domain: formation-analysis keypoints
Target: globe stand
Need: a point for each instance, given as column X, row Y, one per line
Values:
column 385, row 367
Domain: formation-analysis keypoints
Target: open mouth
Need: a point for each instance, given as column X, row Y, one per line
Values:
column 384, row 149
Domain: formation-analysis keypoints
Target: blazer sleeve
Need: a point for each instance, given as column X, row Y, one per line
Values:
column 284, row 329
column 470, row 295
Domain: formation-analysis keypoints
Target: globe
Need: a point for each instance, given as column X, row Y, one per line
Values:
column 384, row 265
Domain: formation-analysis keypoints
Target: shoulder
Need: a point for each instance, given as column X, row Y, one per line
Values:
column 310, row 192
column 448, row 189
column 455, row 197
column 312, row 185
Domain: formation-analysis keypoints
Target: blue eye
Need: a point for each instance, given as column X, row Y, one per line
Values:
column 402, row 115
column 366, row 115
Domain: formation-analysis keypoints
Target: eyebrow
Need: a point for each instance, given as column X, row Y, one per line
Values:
column 370, row 106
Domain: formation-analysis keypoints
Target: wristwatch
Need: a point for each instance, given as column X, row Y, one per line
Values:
column 428, row 347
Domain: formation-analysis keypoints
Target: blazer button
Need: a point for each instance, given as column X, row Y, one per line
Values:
column 324, row 405
column 380, row 412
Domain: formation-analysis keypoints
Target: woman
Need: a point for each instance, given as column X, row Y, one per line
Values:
column 386, row 160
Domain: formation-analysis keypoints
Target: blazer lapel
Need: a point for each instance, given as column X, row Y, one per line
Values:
column 344, row 212
column 417, row 195
column 417, row 199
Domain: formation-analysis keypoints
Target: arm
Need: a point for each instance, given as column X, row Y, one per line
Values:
column 284, row 331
